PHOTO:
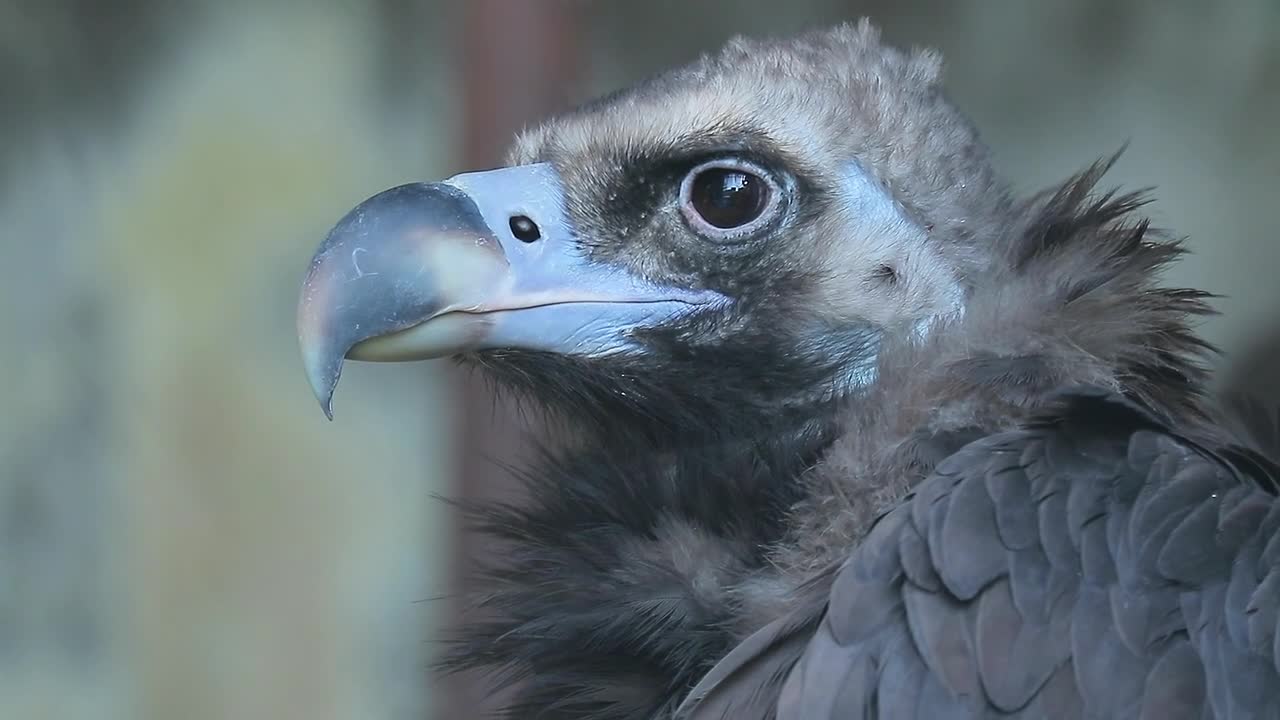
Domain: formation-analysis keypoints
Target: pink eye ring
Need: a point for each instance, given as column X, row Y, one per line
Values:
column 727, row 199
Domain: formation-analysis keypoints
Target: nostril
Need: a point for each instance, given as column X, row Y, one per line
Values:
column 524, row 229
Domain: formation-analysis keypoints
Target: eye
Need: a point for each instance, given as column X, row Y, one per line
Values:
column 726, row 199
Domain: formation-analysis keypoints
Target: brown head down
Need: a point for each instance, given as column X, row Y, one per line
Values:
column 884, row 210
column 896, row 270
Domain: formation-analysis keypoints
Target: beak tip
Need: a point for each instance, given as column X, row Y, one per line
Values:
column 323, row 373
column 325, row 398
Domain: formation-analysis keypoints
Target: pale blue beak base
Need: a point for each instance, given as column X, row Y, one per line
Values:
column 431, row 270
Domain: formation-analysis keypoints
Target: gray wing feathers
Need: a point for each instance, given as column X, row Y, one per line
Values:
column 746, row 683
column 1094, row 566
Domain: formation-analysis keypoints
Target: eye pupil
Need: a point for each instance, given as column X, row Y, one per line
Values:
column 727, row 197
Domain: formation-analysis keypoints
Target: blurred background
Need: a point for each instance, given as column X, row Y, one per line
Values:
column 182, row 534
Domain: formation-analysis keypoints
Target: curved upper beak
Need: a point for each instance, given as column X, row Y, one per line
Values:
column 481, row 260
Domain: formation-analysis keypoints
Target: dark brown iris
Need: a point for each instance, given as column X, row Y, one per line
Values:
column 728, row 197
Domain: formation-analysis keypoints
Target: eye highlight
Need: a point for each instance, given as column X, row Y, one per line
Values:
column 727, row 199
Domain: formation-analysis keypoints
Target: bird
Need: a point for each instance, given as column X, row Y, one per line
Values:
column 844, row 426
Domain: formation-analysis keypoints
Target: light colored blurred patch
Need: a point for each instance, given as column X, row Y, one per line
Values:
column 274, row 563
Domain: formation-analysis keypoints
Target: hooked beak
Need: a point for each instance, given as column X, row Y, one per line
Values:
column 481, row 260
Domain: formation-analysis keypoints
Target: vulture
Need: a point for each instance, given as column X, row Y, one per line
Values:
column 843, row 426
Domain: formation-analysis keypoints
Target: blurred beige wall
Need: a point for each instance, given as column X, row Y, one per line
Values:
column 221, row 549
column 181, row 532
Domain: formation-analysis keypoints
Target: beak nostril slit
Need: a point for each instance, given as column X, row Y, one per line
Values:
column 525, row 229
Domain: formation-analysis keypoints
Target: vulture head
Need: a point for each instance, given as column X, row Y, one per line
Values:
column 775, row 289
column 734, row 242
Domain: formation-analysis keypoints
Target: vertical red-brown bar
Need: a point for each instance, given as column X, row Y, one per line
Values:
column 519, row 63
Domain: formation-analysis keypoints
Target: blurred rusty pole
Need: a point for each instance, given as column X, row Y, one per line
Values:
column 519, row 62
